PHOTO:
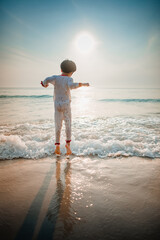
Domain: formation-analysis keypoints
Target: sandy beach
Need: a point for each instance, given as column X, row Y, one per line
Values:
column 80, row 198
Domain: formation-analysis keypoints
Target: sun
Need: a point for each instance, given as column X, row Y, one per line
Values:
column 84, row 42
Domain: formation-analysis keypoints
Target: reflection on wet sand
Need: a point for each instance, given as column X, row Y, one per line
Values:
column 66, row 216
column 59, row 215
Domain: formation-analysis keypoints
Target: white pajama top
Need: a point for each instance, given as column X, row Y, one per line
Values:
column 62, row 86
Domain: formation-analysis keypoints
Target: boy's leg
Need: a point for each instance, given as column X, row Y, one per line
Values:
column 67, row 119
column 58, row 127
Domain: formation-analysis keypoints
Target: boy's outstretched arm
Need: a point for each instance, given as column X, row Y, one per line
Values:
column 73, row 85
column 48, row 80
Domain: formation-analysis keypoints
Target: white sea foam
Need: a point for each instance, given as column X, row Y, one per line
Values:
column 105, row 137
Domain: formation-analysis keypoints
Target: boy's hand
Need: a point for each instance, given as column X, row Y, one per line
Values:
column 84, row 84
column 43, row 85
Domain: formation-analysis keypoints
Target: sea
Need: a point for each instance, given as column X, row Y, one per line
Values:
column 106, row 122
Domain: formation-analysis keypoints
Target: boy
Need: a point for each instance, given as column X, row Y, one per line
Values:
column 62, row 99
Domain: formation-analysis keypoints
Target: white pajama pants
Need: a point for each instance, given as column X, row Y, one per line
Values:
column 62, row 112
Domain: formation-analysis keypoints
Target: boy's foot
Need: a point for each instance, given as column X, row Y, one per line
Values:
column 69, row 152
column 57, row 150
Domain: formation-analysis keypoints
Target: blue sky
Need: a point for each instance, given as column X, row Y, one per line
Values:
column 37, row 35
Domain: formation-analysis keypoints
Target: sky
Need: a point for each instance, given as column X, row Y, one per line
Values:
column 37, row 35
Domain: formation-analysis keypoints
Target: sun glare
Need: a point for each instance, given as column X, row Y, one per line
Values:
column 85, row 42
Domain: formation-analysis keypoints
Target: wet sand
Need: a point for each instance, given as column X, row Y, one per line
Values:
column 80, row 198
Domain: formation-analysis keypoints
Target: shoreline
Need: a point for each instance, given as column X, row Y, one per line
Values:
column 95, row 156
column 81, row 197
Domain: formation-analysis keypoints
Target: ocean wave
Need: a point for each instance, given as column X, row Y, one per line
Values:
column 26, row 96
column 15, row 147
column 108, row 137
column 153, row 100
